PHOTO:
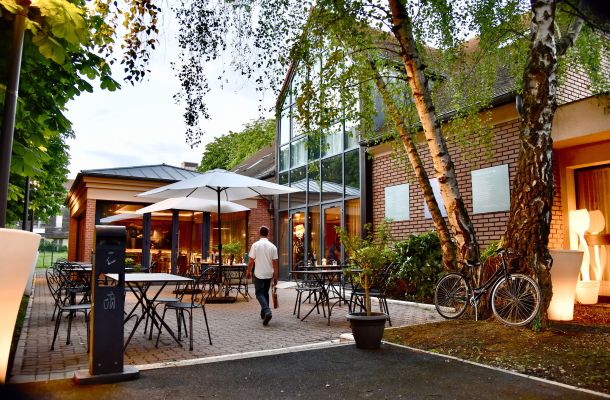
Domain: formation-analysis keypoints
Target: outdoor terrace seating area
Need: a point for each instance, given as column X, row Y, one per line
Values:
column 234, row 328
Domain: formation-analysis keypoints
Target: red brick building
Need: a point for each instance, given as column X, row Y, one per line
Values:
column 581, row 135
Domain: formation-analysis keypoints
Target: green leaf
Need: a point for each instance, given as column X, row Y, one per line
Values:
column 65, row 19
column 49, row 48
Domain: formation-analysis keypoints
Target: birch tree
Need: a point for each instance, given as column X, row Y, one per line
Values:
column 528, row 229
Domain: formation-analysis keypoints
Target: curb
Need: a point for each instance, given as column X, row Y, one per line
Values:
column 241, row 356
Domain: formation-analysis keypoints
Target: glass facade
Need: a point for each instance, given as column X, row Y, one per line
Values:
column 327, row 175
column 190, row 234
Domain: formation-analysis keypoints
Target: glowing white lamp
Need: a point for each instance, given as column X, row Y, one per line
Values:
column 598, row 223
column 18, row 251
column 564, row 274
column 579, row 224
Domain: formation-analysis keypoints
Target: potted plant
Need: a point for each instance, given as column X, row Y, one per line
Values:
column 367, row 258
column 232, row 249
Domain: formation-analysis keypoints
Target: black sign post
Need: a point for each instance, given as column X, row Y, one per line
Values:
column 107, row 310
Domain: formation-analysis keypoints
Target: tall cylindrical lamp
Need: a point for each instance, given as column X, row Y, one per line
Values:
column 19, row 251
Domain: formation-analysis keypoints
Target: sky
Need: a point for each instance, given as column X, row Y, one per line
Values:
column 142, row 125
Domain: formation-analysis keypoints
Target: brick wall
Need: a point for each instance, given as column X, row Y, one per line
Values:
column 575, row 84
column 259, row 216
column 556, row 234
column 72, row 238
column 88, row 229
column 489, row 226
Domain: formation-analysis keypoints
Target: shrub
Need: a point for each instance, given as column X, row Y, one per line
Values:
column 419, row 262
column 490, row 250
column 49, row 246
column 368, row 255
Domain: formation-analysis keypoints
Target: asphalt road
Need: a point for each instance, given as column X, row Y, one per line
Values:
column 341, row 372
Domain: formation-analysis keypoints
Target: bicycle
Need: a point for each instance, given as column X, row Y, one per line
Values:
column 515, row 298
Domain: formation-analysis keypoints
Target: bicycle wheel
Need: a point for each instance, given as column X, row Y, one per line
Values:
column 515, row 301
column 451, row 296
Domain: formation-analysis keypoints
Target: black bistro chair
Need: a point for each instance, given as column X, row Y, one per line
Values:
column 198, row 291
column 65, row 285
column 306, row 285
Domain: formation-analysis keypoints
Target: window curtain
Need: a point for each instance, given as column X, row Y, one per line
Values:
column 593, row 191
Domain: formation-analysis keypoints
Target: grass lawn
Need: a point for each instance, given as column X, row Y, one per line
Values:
column 47, row 258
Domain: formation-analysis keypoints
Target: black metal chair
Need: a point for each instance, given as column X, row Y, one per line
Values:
column 199, row 290
column 377, row 290
column 306, row 285
column 65, row 285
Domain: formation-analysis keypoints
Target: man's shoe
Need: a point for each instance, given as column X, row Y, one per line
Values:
column 267, row 319
column 262, row 315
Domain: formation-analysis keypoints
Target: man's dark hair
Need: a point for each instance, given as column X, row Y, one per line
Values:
column 264, row 231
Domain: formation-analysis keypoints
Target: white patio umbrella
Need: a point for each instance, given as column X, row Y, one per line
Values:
column 119, row 217
column 192, row 204
column 220, row 185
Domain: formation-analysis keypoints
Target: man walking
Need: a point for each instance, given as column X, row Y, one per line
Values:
column 263, row 257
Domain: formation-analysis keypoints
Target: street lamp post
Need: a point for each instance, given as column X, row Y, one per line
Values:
column 10, row 106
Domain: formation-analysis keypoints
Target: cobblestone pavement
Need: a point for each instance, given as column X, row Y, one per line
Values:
column 235, row 328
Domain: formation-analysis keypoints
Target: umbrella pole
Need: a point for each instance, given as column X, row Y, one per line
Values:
column 219, row 232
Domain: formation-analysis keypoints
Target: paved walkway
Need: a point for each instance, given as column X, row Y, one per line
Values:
column 235, row 328
column 338, row 372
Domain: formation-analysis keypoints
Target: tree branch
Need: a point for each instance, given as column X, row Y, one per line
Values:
column 570, row 37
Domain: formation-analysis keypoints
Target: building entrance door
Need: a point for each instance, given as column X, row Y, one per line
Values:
column 332, row 217
column 297, row 229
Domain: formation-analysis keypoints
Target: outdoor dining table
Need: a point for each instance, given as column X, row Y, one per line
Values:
column 139, row 284
column 325, row 279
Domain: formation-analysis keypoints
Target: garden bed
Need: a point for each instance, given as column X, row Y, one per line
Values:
column 576, row 353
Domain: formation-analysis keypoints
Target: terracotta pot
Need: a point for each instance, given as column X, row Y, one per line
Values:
column 19, row 250
column 367, row 329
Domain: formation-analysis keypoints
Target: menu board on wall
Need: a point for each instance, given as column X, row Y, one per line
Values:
column 436, row 189
column 490, row 189
column 397, row 202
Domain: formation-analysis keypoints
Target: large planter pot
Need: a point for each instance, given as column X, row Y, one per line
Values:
column 564, row 274
column 18, row 251
column 367, row 329
column 587, row 292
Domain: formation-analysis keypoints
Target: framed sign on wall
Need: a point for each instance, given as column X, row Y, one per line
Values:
column 490, row 189
column 397, row 202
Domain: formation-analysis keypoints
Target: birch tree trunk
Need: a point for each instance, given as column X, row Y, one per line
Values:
column 448, row 249
column 527, row 232
column 457, row 215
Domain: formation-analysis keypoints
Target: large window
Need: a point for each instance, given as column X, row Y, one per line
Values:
column 327, row 175
column 351, row 136
column 298, row 156
column 333, row 141
column 314, row 234
column 285, row 126
column 284, row 158
column 332, row 178
column 352, row 173
column 283, row 240
column 314, row 182
column 298, row 179
column 232, row 229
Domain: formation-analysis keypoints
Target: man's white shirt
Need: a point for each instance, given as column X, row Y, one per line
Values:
column 263, row 252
